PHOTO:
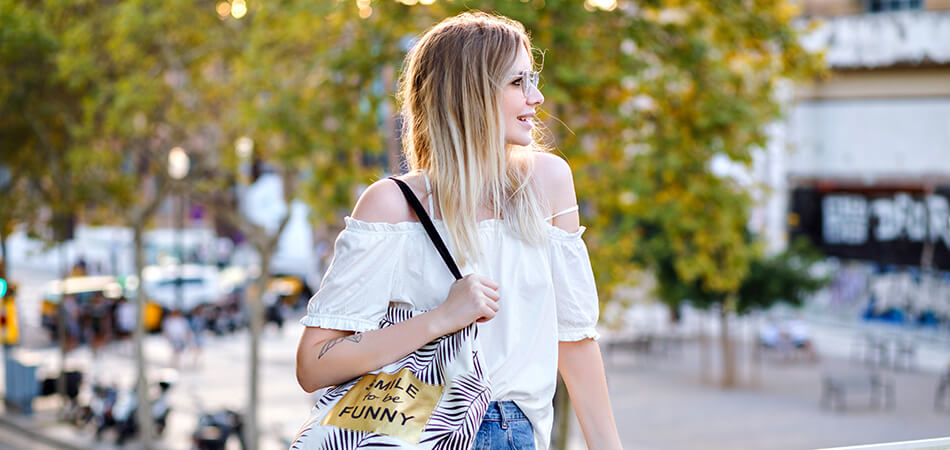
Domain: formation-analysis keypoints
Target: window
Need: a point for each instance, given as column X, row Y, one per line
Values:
column 893, row 5
column 184, row 282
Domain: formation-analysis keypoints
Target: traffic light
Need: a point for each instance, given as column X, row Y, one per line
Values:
column 9, row 328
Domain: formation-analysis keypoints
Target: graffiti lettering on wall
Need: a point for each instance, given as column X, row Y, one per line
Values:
column 901, row 296
column 888, row 227
column 847, row 219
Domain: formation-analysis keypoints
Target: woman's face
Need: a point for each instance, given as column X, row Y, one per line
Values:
column 517, row 109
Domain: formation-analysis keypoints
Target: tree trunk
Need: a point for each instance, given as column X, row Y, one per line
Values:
column 393, row 149
column 61, row 326
column 255, row 306
column 728, row 352
column 144, row 416
column 703, row 350
column 755, row 368
column 4, row 258
column 562, row 417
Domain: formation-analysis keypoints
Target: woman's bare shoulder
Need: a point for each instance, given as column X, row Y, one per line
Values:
column 382, row 201
column 554, row 180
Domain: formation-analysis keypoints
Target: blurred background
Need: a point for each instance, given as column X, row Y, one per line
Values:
column 766, row 187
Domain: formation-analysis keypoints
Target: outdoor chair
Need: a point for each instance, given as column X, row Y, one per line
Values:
column 905, row 354
column 641, row 343
column 943, row 392
column 836, row 388
column 865, row 348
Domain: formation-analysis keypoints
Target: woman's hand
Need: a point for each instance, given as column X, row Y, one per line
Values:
column 473, row 298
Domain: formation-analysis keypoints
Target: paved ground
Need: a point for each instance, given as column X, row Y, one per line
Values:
column 666, row 403
column 218, row 382
column 660, row 402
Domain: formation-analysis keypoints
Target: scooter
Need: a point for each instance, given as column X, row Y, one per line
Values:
column 125, row 420
column 215, row 428
column 99, row 409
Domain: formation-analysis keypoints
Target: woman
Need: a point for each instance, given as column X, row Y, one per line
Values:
column 508, row 210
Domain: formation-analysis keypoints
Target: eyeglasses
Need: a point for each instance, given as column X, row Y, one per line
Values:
column 529, row 78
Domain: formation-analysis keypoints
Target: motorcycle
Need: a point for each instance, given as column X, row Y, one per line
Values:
column 125, row 420
column 215, row 428
column 99, row 409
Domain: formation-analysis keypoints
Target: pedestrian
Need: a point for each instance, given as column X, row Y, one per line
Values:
column 274, row 308
column 943, row 389
column 124, row 322
column 800, row 337
column 198, row 323
column 507, row 207
column 176, row 329
column 80, row 268
column 100, row 322
column 769, row 335
column 72, row 315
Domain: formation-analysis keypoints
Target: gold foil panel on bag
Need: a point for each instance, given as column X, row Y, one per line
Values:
column 397, row 405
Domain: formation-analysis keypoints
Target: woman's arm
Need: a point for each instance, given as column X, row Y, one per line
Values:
column 328, row 357
column 579, row 362
column 582, row 369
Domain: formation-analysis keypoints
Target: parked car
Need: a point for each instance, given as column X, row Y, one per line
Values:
column 84, row 289
column 200, row 285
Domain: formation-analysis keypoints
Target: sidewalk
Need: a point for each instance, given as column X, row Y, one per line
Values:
column 675, row 403
column 660, row 403
column 219, row 382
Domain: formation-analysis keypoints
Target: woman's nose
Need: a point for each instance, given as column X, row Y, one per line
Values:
column 535, row 97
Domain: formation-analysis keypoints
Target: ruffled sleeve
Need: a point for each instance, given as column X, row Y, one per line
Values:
column 357, row 286
column 574, row 289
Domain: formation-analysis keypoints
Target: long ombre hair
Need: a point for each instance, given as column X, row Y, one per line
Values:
column 450, row 93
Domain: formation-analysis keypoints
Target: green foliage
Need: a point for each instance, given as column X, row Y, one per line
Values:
column 134, row 63
column 308, row 86
column 25, row 49
column 687, row 81
column 640, row 98
column 38, row 161
column 785, row 277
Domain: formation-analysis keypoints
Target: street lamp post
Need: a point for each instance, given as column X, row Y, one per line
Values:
column 178, row 166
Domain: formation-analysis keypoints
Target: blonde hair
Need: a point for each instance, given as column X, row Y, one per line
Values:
column 450, row 92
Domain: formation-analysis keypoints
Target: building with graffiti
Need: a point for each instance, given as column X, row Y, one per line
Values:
column 867, row 173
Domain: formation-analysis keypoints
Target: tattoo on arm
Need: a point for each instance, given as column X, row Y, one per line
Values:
column 354, row 338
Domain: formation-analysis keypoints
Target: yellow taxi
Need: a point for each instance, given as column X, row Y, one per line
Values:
column 84, row 288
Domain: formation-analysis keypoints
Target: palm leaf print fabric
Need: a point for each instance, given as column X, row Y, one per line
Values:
column 450, row 361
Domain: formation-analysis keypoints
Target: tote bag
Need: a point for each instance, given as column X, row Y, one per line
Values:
column 433, row 398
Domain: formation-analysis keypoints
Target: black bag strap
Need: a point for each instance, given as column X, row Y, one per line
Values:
column 429, row 227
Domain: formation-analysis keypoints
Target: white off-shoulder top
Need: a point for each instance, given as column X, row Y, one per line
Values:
column 547, row 295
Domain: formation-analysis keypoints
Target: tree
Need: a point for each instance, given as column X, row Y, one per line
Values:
column 25, row 50
column 641, row 96
column 44, row 179
column 279, row 79
column 785, row 277
column 135, row 65
column 653, row 92
column 33, row 116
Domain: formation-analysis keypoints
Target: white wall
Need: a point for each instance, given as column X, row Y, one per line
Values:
column 870, row 139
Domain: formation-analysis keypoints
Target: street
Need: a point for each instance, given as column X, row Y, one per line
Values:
column 660, row 402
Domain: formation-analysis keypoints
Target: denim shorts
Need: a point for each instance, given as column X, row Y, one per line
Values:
column 504, row 426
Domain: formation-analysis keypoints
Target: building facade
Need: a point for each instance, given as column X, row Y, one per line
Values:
column 865, row 159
